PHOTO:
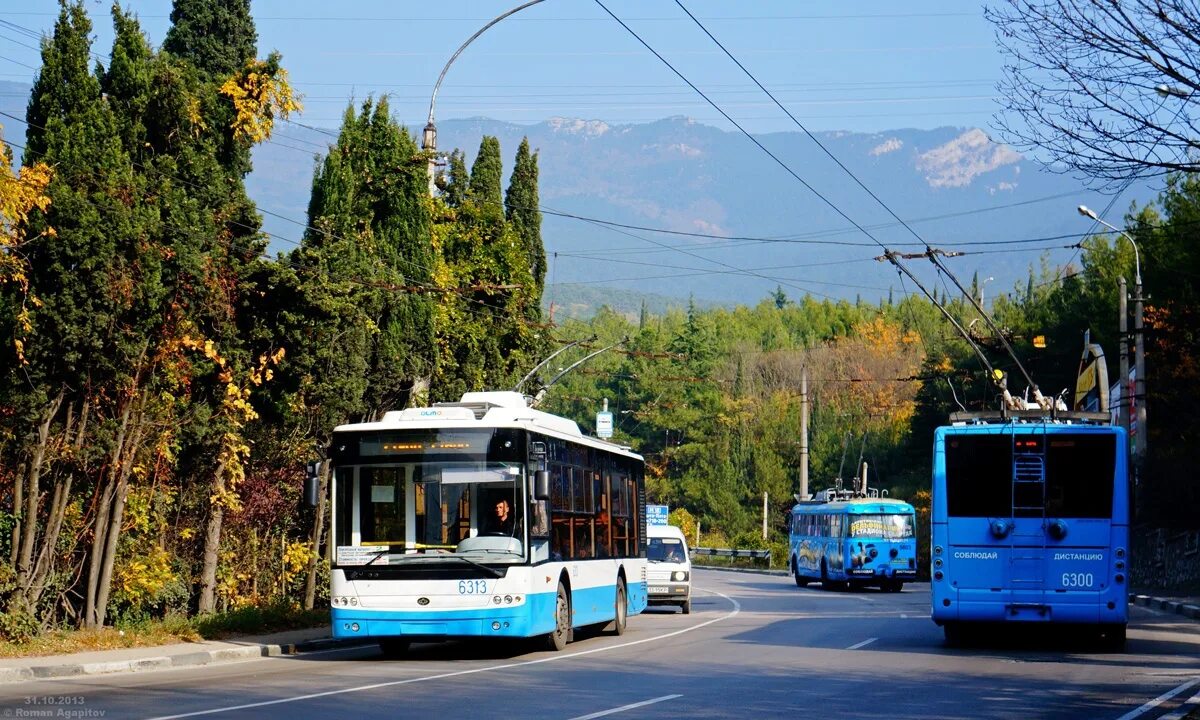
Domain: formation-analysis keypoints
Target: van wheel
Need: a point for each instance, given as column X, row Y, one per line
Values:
column 556, row 639
column 686, row 606
column 621, row 609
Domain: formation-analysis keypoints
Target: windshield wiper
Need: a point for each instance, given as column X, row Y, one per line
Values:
column 491, row 571
column 382, row 553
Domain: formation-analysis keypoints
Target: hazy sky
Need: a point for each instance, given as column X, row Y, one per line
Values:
column 866, row 65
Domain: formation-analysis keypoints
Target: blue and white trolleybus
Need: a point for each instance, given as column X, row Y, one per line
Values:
column 483, row 518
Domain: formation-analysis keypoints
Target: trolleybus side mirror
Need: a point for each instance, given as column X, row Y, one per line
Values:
column 312, row 484
column 541, row 485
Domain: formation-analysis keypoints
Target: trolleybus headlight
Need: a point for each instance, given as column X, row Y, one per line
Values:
column 353, row 627
column 495, row 624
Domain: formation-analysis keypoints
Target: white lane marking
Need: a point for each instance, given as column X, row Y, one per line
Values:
column 1158, row 700
column 630, row 706
column 864, row 643
column 737, row 608
column 1186, row 707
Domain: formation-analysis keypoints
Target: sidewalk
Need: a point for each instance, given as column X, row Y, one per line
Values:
column 159, row 657
column 1188, row 607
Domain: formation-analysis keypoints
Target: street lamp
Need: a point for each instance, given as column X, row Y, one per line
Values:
column 1139, row 393
column 429, row 135
column 1172, row 91
column 983, row 286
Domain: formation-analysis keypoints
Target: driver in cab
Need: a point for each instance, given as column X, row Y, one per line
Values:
column 502, row 521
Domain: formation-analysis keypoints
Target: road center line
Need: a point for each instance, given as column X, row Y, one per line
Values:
column 864, row 643
column 623, row 708
column 1158, row 700
column 737, row 608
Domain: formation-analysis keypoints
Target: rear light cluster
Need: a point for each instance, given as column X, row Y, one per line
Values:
column 937, row 562
column 506, row 600
column 1119, row 565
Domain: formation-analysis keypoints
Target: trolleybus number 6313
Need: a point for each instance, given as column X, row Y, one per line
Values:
column 472, row 587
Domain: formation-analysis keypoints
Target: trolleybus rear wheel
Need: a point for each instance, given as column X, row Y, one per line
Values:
column 954, row 634
column 621, row 609
column 1113, row 637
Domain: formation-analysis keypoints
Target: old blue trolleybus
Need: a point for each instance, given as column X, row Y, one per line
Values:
column 1030, row 522
column 483, row 518
column 844, row 541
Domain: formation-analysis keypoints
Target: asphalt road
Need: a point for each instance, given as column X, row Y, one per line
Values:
column 755, row 646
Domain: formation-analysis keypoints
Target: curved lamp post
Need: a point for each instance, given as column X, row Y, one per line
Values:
column 429, row 136
column 1139, row 392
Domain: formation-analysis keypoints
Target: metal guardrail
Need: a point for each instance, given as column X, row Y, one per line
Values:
column 733, row 553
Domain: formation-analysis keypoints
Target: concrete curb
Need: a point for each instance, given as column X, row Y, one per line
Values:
column 1169, row 606
column 188, row 659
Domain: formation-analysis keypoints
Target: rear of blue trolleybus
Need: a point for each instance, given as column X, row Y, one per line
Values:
column 1030, row 524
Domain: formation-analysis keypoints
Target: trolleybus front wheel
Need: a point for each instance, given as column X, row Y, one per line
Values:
column 557, row 638
column 393, row 648
column 800, row 581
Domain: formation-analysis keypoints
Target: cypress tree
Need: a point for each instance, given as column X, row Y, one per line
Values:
column 217, row 37
column 457, row 180
column 372, row 223
column 521, row 207
column 486, row 174
column 98, row 277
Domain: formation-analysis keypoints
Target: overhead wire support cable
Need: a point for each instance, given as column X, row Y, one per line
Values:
column 740, row 128
column 932, row 254
column 891, row 257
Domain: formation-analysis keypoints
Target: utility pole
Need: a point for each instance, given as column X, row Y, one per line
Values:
column 1139, row 368
column 1123, row 406
column 804, row 433
column 764, row 514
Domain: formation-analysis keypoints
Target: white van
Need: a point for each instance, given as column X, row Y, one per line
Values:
column 669, row 567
